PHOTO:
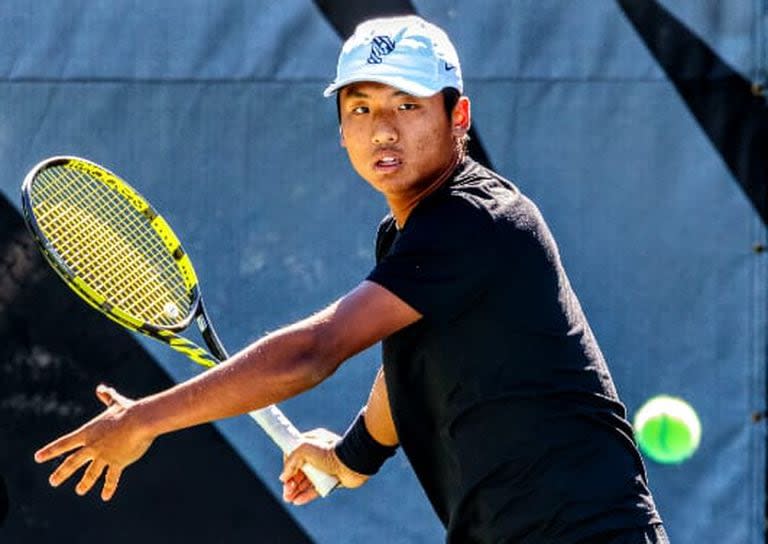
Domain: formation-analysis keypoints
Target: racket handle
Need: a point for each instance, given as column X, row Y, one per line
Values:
column 287, row 437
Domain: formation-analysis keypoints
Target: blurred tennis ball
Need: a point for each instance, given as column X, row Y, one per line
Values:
column 667, row 429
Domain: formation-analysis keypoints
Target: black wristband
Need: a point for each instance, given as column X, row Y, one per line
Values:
column 359, row 451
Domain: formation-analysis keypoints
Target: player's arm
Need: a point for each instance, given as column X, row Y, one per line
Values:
column 321, row 449
column 378, row 414
column 278, row 366
column 282, row 364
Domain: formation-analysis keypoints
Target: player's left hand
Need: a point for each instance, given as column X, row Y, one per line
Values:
column 109, row 442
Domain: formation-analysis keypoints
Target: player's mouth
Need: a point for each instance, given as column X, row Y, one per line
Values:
column 387, row 163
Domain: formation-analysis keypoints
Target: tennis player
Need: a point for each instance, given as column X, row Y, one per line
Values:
column 492, row 381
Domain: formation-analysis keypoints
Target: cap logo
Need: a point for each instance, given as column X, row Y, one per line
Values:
column 381, row 46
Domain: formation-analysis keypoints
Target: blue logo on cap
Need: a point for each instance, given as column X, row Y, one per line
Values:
column 381, row 46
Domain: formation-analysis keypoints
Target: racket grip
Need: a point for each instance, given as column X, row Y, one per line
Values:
column 287, row 437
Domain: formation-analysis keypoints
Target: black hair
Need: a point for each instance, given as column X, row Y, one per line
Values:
column 450, row 99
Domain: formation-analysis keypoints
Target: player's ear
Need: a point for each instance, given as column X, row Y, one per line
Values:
column 341, row 137
column 461, row 116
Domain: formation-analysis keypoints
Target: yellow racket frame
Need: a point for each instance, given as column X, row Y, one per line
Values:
column 113, row 250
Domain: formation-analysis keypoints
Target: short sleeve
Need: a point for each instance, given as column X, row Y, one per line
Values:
column 441, row 261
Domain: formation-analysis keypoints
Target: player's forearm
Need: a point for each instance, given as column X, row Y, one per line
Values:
column 281, row 364
column 378, row 415
column 272, row 369
column 372, row 438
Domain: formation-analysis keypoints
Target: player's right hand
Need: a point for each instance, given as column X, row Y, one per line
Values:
column 317, row 449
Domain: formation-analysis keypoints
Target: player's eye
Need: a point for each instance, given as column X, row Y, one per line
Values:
column 360, row 110
column 407, row 106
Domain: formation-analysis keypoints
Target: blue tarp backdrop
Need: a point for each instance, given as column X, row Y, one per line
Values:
column 213, row 109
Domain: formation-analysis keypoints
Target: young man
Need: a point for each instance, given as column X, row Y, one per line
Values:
column 492, row 381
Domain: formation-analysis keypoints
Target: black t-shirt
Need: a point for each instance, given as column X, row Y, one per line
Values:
column 500, row 395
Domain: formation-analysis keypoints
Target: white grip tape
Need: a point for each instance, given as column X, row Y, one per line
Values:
column 287, row 437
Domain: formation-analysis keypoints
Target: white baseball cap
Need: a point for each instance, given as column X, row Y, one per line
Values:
column 405, row 52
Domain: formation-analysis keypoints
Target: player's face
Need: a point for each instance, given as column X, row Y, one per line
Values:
column 397, row 142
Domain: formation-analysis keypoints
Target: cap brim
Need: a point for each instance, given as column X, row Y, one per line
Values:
column 400, row 83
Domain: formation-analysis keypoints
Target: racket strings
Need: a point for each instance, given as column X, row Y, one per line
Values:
column 110, row 245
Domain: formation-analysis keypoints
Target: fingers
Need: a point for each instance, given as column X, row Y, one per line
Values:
column 59, row 446
column 317, row 454
column 70, row 465
column 110, row 482
column 76, row 438
column 292, row 485
column 104, row 443
column 92, row 474
column 290, row 466
column 104, row 394
column 299, row 490
column 303, row 495
column 109, row 396
column 303, row 454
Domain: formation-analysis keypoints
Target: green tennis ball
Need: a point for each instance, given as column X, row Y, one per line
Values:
column 667, row 429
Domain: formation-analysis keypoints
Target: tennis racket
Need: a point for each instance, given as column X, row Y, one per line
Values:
column 121, row 257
